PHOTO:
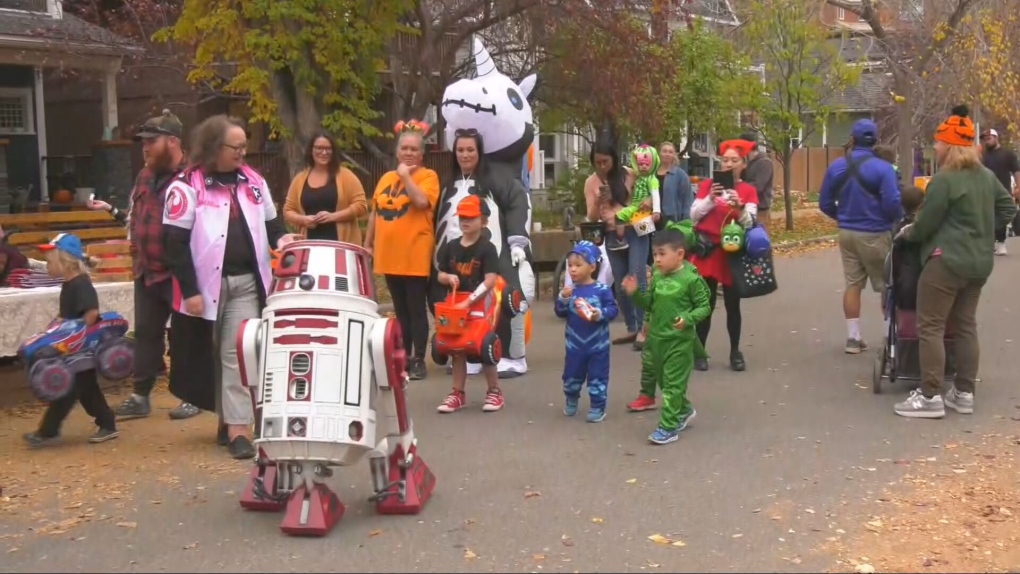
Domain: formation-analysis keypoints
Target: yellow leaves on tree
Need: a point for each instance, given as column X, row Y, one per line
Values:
column 987, row 54
column 303, row 64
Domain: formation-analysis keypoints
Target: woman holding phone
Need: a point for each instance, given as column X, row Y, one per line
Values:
column 606, row 192
column 722, row 199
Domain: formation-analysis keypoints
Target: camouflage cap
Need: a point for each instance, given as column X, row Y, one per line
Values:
column 163, row 125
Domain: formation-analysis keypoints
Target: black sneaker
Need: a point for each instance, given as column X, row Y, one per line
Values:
column 133, row 407
column 416, row 369
column 36, row 440
column 222, row 438
column 184, row 411
column 737, row 361
column 700, row 364
column 241, row 448
column 103, row 435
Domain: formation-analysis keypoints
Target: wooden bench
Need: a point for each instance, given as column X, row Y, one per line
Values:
column 27, row 231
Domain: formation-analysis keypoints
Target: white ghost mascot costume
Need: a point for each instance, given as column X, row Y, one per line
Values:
column 497, row 107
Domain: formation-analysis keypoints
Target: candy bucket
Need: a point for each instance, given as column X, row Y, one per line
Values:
column 449, row 319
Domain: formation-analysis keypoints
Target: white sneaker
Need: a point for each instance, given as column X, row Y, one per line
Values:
column 918, row 407
column 1000, row 248
column 962, row 403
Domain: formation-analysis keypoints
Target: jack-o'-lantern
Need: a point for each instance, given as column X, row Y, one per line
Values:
column 393, row 203
column 63, row 196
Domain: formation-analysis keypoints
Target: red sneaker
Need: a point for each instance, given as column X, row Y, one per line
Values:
column 493, row 401
column 453, row 403
column 642, row 403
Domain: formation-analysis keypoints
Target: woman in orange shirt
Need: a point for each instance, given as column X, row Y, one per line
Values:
column 401, row 238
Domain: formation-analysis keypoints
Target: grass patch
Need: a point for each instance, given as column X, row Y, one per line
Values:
column 806, row 226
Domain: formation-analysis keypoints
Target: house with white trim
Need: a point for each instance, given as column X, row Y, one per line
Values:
column 36, row 35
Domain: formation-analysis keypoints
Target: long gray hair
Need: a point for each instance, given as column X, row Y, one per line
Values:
column 208, row 138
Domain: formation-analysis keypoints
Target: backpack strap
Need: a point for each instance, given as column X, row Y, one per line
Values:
column 853, row 171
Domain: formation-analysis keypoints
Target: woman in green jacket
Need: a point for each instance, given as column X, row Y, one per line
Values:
column 955, row 227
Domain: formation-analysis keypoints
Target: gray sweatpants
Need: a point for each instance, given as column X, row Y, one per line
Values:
column 239, row 300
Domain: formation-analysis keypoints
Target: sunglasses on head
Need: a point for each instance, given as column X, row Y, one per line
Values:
column 470, row 132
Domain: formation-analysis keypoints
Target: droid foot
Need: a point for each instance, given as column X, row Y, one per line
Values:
column 261, row 492
column 312, row 513
column 417, row 489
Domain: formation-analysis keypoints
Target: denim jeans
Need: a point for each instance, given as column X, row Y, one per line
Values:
column 630, row 261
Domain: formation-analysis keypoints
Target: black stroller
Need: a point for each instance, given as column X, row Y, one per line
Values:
column 899, row 358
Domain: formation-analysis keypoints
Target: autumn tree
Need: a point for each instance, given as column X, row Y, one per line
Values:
column 705, row 90
column 916, row 37
column 802, row 71
column 303, row 64
column 986, row 59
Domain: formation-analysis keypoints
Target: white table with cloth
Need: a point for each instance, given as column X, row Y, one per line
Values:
column 25, row 312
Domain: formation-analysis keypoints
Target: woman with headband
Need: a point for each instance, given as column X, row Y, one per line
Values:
column 713, row 207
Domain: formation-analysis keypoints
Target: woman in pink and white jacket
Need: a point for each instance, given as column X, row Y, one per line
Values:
column 218, row 227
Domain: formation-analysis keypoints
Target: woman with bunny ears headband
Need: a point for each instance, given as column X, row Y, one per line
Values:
column 401, row 238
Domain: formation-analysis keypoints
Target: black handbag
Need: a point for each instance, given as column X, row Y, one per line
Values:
column 753, row 276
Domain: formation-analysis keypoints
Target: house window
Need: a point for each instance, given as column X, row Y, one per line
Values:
column 16, row 115
column 841, row 14
column 548, row 144
column 25, row 5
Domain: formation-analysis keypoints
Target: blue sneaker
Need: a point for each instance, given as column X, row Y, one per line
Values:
column 686, row 418
column 596, row 415
column 570, row 408
column 663, row 436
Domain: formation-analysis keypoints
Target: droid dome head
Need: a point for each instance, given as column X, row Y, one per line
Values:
column 322, row 267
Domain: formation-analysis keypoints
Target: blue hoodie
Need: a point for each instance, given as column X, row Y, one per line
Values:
column 853, row 207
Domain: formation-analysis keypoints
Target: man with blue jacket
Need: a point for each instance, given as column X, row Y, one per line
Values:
column 861, row 192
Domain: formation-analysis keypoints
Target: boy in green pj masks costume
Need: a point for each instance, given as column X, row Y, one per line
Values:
column 644, row 160
column 676, row 299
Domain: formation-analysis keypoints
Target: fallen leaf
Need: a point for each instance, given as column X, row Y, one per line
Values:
column 532, row 494
column 864, row 569
column 13, row 550
column 651, row 564
column 597, row 520
column 659, row 539
column 127, row 524
column 679, row 543
column 738, row 535
column 191, row 546
column 538, row 557
column 632, row 481
column 469, row 555
column 375, row 533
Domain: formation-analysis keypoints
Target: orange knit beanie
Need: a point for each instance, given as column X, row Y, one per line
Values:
column 958, row 129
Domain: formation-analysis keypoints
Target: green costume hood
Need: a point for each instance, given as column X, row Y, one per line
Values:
column 644, row 150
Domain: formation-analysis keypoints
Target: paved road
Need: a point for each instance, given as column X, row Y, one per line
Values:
column 778, row 460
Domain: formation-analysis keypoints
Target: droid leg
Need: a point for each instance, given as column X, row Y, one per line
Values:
column 312, row 509
column 402, row 484
column 268, row 486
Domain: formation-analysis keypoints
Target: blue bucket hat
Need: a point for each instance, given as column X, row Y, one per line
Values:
column 588, row 251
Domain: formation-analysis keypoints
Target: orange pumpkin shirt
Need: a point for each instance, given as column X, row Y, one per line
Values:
column 404, row 235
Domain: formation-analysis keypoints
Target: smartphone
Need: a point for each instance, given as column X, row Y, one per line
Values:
column 92, row 197
column 723, row 178
column 604, row 192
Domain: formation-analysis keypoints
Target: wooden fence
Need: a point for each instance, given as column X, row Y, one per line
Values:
column 274, row 168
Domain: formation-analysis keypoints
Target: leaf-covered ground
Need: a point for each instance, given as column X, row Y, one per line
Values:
column 957, row 510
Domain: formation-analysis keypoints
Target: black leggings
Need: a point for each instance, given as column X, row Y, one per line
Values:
column 410, row 303
column 733, row 321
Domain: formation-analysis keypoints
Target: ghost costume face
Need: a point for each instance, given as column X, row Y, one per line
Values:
column 496, row 107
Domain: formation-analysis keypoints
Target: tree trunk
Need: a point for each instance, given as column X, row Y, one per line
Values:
column 904, row 127
column 787, row 200
column 300, row 115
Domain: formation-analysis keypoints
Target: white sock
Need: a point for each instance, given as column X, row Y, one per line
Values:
column 853, row 329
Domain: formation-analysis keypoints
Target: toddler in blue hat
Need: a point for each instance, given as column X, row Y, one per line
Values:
column 66, row 259
column 588, row 306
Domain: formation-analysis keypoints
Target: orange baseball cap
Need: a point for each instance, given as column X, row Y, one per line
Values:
column 471, row 207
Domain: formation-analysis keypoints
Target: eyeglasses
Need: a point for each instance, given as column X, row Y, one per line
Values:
column 322, row 150
column 237, row 148
column 470, row 132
